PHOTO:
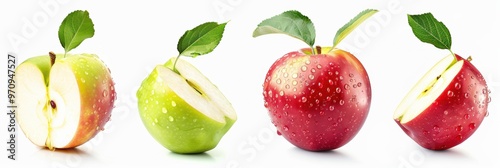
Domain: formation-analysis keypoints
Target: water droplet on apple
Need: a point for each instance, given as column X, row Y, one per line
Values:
column 304, row 99
column 303, row 68
column 472, row 126
column 313, row 70
column 487, row 114
column 308, row 62
column 164, row 110
column 466, row 95
column 339, row 119
column 351, row 75
column 294, row 83
column 459, row 128
column 459, row 137
column 354, row 85
column 341, row 77
column 86, row 73
column 311, row 76
column 278, row 132
column 330, row 81
column 338, row 90
column 436, row 128
column 331, row 108
column 359, row 84
column 309, row 115
column 83, row 80
column 270, row 93
column 294, row 75
column 450, row 93
column 156, row 120
column 458, row 85
column 330, row 118
column 346, row 86
column 282, row 93
column 335, row 124
column 170, row 118
column 341, row 102
column 174, row 104
column 320, row 85
column 346, row 130
column 147, row 101
column 445, row 112
column 466, row 116
column 317, row 101
column 321, row 113
column 485, row 91
column 285, row 75
column 278, row 81
column 489, row 99
column 105, row 93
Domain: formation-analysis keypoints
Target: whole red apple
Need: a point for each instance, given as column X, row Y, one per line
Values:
column 318, row 98
column 317, row 102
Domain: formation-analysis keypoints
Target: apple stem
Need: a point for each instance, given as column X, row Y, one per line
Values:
column 455, row 60
column 313, row 50
column 175, row 63
column 469, row 58
column 52, row 58
column 318, row 49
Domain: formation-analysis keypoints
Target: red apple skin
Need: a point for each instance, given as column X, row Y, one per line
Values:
column 455, row 115
column 317, row 102
column 97, row 101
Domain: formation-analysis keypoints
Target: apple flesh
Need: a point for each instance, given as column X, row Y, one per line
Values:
column 317, row 102
column 183, row 110
column 446, row 106
column 65, row 104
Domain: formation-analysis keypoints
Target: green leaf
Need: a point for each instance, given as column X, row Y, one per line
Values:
column 75, row 28
column 430, row 30
column 201, row 40
column 291, row 23
column 351, row 25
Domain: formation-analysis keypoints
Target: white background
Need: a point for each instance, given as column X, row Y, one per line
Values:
column 133, row 36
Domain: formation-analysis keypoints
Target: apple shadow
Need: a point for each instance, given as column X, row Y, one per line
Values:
column 71, row 151
column 332, row 155
column 72, row 156
column 206, row 157
column 451, row 153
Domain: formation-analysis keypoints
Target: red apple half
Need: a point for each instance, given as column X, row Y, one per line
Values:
column 446, row 106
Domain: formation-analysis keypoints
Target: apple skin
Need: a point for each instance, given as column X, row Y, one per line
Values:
column 95, row 85
column 455, row 115
column 174, row 123
column 317, row 102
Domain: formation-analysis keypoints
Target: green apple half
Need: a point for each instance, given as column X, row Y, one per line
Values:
column 183, row 110
column 65, row 104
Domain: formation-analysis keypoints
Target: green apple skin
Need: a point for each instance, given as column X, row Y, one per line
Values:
column 96, row 87
column 172, row 122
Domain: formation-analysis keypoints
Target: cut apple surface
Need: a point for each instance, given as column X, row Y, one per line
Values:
column 446, row 106
column 428, row 89
column 182, row 109
column 65, row 104
column 205, row 91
